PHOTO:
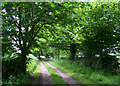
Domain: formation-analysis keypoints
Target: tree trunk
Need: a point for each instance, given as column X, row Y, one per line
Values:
column 72, row 51
column 24, row 56
column 23, row 63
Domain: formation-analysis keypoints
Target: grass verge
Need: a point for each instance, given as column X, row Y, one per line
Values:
column 33, row 67
column 57, row 80
column 36, row 72
column 84, row 75
column 32, row 63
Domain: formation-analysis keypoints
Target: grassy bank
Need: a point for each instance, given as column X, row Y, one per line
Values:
column 84, row 75
column 33, row 68
column 34, row 76
column 36, row 72
column 55, row 77
column 32, row 63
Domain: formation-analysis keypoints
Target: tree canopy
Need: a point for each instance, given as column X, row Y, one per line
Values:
column 89, row 27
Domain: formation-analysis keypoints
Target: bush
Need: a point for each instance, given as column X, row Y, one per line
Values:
column 106, row 63
column 10, row 66
column 19, row 79
column 11, row 70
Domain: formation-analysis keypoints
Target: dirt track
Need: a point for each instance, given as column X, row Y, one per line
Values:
column 45, row 78
column 68, row 79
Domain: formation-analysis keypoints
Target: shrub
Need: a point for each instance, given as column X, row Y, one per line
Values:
column 105, row 63
column 19, row 79
column 10, row 66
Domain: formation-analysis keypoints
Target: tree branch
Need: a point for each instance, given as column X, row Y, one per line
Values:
column 20, row 30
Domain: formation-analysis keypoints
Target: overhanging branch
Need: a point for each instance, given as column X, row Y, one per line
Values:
column 40, row 28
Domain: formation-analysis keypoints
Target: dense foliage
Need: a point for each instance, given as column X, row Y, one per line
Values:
column 22, row 23
column 86, row 31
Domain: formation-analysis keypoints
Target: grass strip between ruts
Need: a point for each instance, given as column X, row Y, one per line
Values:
column 57, row 80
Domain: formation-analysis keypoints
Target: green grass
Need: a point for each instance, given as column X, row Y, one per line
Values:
column 33, row 67
column 84, row 75
column 36, row 72
column 34, row 76
column 55, row 77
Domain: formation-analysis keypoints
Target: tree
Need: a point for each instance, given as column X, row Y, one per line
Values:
column 100, row 34
column 66, row 37
column 23, row 21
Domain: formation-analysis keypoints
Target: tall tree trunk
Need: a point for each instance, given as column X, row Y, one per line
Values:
column 24, row 55
column 23, row 63
column 72, row 51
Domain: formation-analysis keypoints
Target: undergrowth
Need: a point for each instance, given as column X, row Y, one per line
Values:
column 85, row 75
column 22, row 78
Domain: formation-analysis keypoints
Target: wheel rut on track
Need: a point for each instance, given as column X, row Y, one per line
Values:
column 45, row 78
column 68, row 79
